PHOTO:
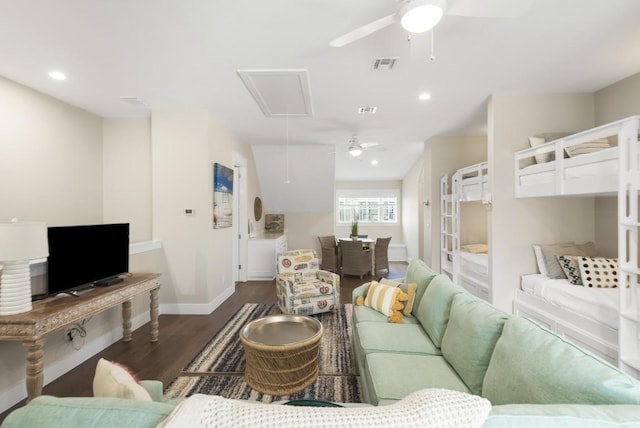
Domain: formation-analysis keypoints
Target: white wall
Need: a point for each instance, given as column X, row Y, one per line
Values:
column 445, row 155
column 515, row 224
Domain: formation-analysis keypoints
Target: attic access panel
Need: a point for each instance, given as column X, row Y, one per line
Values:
column 279, row 92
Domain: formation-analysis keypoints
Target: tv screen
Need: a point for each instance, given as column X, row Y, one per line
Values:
column 79, row 256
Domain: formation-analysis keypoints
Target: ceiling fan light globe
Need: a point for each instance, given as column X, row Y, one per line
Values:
column 418, row 16
column 355, row 151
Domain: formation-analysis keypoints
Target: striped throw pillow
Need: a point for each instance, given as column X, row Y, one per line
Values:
column 383, row 298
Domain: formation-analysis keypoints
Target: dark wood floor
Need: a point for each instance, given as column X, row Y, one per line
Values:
column 181, row 337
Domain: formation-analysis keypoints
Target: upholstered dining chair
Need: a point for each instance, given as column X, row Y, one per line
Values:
column 382, row 254
column 329, row 253
column 354, row 259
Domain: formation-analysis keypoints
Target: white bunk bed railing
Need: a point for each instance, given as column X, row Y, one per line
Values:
column 471, row 183
column 568, row 176
column 628, row 229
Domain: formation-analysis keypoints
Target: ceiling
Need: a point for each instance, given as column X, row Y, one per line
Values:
column 187, row 53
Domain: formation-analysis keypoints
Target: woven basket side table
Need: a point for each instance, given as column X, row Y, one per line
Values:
column 281, row 352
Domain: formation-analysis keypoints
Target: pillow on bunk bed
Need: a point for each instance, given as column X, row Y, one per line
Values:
column 544, row 157
column 549, row 253
column 570, row 267
column 538, row 140
column 599, row 272
column 475, row 248
column 588, row 147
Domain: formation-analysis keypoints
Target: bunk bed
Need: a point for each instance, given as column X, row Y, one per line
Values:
column 466, row 264
column 604, row 321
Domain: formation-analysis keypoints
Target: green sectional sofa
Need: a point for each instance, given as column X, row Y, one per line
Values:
column 456, row 341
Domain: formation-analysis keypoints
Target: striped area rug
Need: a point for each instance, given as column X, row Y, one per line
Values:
column 218, row 368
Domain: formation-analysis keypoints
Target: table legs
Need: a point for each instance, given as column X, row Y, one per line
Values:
column 126, row 321
column 153, row 310
column 34, row 367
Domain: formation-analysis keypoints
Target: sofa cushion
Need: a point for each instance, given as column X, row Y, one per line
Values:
column 433, row 309
column 472, row 332
column 117, row 381
column 364, row 314
column 420, row 274
column 404, row 338
column 564, row 415
column 54, row 412
column 394, row 376
column 533, row 365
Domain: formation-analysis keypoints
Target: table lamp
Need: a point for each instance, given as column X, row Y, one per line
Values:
column 19, row 243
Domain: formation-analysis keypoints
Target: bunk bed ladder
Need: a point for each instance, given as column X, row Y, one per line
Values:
column 446, row 228
column 628, row 229
column 455, row 222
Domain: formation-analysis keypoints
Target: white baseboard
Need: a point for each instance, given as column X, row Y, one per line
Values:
column 196, row 308
column 397, row 253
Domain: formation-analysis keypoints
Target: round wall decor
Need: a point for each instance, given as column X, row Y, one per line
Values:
column 257, row 208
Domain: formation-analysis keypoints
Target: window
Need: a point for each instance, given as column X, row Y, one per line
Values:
column 368, row 206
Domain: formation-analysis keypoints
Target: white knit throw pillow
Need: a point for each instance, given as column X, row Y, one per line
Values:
column 424, row 408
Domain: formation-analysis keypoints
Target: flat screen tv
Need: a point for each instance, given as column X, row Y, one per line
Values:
column 81, row 257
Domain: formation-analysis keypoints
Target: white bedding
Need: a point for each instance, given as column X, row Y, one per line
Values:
column 474, row 263
column 545, row 172
column 600, row 304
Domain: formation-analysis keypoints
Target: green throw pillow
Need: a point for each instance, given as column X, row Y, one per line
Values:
column 435, row 305
column 533, row 365
column 472, row 332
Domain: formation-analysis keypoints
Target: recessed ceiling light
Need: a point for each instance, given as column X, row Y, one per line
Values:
column 57, row 75
column 374, row 162
column 424, row 96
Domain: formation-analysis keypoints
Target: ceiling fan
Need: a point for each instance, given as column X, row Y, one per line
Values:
column 418, row 16
column 356, row 147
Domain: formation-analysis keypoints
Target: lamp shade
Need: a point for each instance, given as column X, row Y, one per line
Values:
column 23, row 240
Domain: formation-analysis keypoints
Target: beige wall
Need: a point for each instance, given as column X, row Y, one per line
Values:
column 127, row 175
column 515, row 224
column 445, row 155
column 615, row 102
column 412, row 210
column 50, row 159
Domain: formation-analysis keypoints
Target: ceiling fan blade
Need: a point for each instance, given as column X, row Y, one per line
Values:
column 363, row 31
column 489, row 8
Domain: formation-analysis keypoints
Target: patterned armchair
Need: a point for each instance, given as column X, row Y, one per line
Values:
column 302, row 288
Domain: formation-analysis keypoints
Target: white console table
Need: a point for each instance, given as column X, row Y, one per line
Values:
column 53, row 314
column 263, row 254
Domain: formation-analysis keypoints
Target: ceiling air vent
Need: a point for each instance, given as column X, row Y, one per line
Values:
column 384, row 63
column 134, row 101
column 367, row 110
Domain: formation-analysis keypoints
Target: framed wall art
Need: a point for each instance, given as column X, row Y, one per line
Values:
column 222, row 196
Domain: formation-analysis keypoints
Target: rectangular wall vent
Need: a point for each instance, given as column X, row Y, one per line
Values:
column 134, row 101
column 384, row 63
column 367, row 110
